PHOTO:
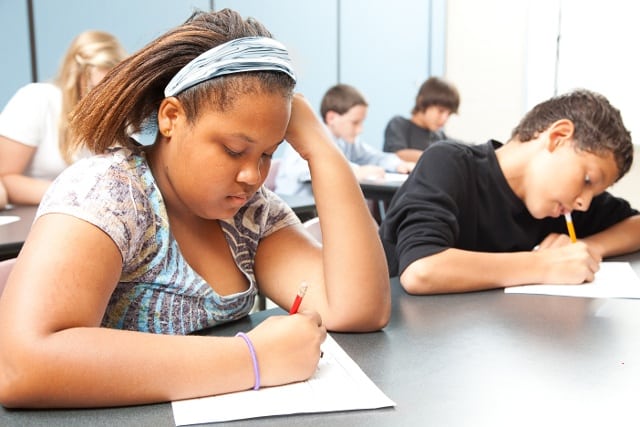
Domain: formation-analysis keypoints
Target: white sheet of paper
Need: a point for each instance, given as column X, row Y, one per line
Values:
column 613, row 280
column 338, row 385
column 395, row 177
column 8, row 219
column 389, row 177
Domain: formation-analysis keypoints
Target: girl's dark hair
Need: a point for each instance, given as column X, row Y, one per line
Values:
column 128, row 98
column 598, row 126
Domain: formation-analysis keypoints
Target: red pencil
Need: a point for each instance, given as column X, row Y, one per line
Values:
column 296, row 303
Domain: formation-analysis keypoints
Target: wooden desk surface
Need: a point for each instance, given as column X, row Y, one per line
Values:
column 13, row 235
column 476, row 359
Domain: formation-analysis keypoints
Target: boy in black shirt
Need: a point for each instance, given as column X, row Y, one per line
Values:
column 469, row 217
column 437, row 99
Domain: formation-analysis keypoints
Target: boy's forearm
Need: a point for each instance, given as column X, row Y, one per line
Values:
column 619, row 239
column 409, row 154
column 455, row 270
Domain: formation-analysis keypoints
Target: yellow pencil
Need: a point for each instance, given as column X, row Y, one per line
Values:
column 572, row 230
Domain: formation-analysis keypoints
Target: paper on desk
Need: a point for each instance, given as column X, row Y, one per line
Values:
column 8, row 219
column 395, row 177
column 389, row 177
column 613, row 280
column 338, row 385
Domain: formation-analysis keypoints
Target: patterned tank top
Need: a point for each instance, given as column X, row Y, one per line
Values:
column 158, row 291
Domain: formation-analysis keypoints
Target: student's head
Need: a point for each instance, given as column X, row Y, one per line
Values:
column 597, row 126
column 89, row 57
column 586, row 149
column 218, row 90
column 344, row 109
column 437, row 99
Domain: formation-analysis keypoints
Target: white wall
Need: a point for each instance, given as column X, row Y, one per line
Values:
column 485, row 59
column 597, row 51
column 502, row 56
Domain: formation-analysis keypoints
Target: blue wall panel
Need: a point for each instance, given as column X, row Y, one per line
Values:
column 135, row 23
column 308, row 29
column 14, row 48
column 385, row 54
column 385, row 49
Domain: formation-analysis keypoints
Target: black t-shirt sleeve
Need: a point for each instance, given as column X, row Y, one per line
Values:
column 605, row 210
column 422, row 219
column 395, row 135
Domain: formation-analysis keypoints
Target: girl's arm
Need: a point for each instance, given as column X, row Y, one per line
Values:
column 347, row 277
column 3, row 196
column 53, row 352
column 14, row 158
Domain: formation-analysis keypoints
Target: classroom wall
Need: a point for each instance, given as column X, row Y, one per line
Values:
column 386, row 49
column 597, row 51
column 485, row 59
column 57, row 22
column 505, row 56
column 14, row 48
column 500, row 53
column 135, row 23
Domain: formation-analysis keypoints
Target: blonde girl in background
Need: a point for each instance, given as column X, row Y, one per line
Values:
column 34, row 134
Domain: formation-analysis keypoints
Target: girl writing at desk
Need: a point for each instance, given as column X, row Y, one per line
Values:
column 137, row 247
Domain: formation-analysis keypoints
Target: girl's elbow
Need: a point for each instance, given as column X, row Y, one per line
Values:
column 370, row 323
column 383, row 319
column 14, row 386
column 367, row 317
column 379, row 311
column 21, row 374
column 9, row 399
column 377, row 318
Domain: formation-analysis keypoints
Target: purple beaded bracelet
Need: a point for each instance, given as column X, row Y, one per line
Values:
column 254, row 359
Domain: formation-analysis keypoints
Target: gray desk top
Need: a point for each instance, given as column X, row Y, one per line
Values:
column 379, row 189
column 298, row 202
column 477, row 359
column 13, row 235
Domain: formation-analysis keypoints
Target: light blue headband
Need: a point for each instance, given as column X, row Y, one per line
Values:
column 235, row 56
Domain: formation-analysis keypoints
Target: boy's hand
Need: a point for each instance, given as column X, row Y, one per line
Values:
column 554, row 240
column 371, row 172
column 405, row 167
column 570, row 263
